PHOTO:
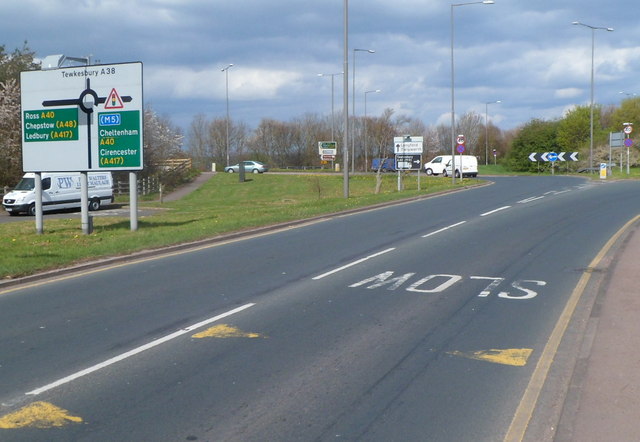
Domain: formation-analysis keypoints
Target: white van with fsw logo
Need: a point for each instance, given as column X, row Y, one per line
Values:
column 59, row 191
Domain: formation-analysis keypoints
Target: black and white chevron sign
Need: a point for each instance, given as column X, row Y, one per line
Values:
column 562, row 156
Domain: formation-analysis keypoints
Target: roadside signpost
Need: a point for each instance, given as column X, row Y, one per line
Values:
column 628, row 142
column 82, row 119
column 408, row 152
column 328, row 151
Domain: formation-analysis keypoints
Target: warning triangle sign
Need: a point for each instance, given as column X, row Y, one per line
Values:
column 113, row 101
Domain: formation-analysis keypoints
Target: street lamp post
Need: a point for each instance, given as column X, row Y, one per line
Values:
column 486, row 130
column 453, row 111
column 593, row 38
column 226, row 74
column 332, row 120
column 353, row 105
column 366, row 159
column 345, row 101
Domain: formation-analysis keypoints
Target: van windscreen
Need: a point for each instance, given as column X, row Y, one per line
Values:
column 25, row 184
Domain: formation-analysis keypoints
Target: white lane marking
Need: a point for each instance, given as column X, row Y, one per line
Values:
column 331, row 272
column 528, row 200
column 495, row 210
column 135, row 351
column 443, row 229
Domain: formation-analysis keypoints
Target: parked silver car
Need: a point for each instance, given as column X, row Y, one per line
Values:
column 249, row 166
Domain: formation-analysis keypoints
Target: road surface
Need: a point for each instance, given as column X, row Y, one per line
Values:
column 423, row 321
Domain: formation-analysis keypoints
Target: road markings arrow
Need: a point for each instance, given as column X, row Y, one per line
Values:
column 38, row 415
column 511, row 356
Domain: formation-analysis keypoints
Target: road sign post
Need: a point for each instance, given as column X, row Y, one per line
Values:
column 409, row 147
column 82, row 119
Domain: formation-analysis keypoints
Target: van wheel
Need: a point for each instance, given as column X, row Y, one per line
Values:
column 457, row 174
column 429, row 172
column 94, row 204
column 32, row 209
column 444, row 173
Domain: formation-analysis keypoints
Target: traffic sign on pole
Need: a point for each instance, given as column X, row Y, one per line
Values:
column 86, row 118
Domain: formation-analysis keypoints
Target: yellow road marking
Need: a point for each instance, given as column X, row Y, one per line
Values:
column 225, row 331
column 38, row 415
column 523, row 414
column 510, row 356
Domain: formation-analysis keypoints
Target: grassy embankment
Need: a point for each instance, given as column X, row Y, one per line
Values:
column 221, row 205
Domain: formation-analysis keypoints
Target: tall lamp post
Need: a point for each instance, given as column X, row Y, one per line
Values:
column 593, row 39
column 453, row 110
column 345, row 101
column 353, row 105
column 366, row 159
column 226, row 75
column 486, row 130
column 332, row 77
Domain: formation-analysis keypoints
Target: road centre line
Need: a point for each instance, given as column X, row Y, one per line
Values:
column 135, row 351
column 495, row 210
column 443, row 229
column 528, row 200
column 331, row 272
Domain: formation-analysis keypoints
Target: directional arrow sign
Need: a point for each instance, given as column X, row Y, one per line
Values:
column 552, row 156
column 543, row 157
column 533, row 156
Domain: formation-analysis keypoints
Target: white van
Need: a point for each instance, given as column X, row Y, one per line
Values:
column 59, row 191
column 437, row 165
column 468, row 164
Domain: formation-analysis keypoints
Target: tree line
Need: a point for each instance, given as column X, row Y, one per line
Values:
column 294, row 143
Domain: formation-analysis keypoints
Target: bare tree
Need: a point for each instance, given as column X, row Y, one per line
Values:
column 471, row 125
column 198, row 142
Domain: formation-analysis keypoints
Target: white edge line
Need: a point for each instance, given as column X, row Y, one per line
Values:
column 443, row 229
column 331, row 272
column 496, row 210
column 135, row 351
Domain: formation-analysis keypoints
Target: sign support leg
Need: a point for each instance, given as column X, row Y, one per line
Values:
column 133, row 201
column 39, row 217
column 84, row 203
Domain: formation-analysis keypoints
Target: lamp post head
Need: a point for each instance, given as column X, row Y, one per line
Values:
column 227, row 68
column 488, row 2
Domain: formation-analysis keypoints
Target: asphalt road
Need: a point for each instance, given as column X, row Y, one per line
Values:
column 422, row 321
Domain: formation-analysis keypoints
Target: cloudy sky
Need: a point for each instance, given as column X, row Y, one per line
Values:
column 525, row 53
